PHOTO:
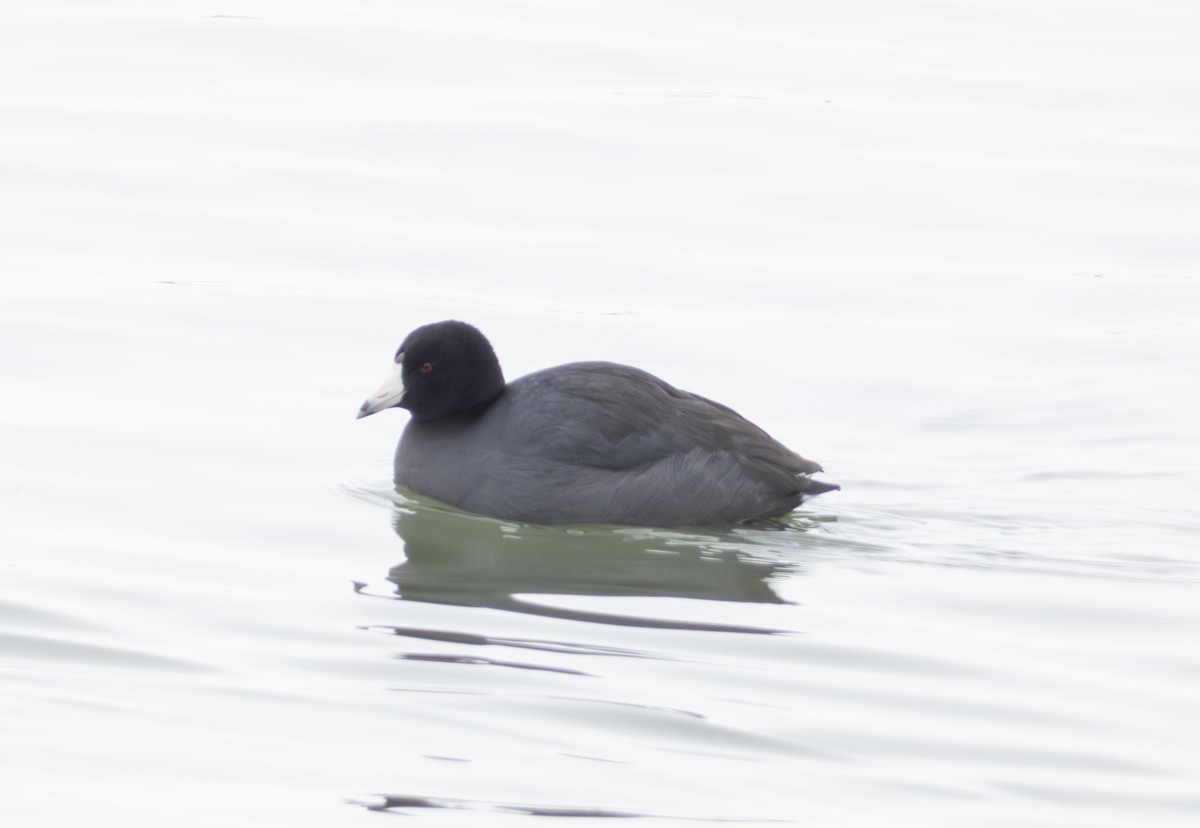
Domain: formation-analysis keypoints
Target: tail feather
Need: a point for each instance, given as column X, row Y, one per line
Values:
column 816, row 487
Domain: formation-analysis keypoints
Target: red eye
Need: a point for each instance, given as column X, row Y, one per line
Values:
column 426, row 368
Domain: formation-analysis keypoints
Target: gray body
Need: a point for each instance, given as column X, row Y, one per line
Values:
column 596, row 442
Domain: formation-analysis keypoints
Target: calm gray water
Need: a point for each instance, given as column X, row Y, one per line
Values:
column 949, row 251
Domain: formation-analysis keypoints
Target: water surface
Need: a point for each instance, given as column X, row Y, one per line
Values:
column 948, row 252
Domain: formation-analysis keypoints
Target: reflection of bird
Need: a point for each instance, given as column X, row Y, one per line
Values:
column 454, row 558
column 588, row 442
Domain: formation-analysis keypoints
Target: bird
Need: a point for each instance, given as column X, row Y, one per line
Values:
column 581, row 443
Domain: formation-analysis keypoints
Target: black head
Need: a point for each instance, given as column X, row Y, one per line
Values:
column 442, row 370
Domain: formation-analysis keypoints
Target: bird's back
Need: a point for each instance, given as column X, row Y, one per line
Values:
column 597, row 442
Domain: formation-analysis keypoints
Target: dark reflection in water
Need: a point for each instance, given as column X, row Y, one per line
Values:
column 399, row 803
column 388, row 802
column 474, row 640
column 467, row 560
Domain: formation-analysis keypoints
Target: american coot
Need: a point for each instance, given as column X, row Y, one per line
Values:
column 588, row 442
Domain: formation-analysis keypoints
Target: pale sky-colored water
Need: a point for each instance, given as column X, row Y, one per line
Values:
column 947, row 250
